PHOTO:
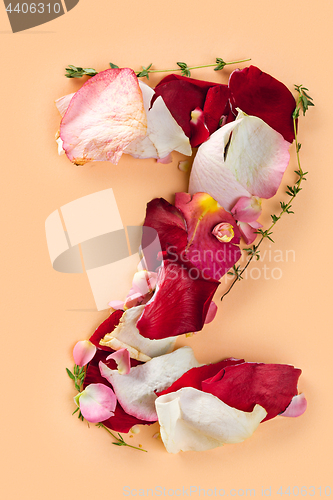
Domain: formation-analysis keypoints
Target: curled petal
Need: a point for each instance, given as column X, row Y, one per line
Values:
column 136, row 391
column 296, row 407
column 97, row 402
column 103, row 117
column 83, row 352
column 199, row 130
column 126, row 335
column 122, row 358
column 194, row 420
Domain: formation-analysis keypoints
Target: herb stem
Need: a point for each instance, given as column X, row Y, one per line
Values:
column 285, row 208
column 196, row 67
column 121, row 442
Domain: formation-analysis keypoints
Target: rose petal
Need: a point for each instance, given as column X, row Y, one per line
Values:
column 247, row 209
column 296, row 407
column 199, row 130
column 202, row 213
column 103, row 117
column 63, row 102
column 122, row 358
column 180, row 302
column 253, row 163
column 106, row 327
column 259, row 94
column 163, row 136
column 97, row 402
column 121, row 421
column 136, row 391
column 211, row 312
column 242, row 386
column 126, row 335
column 83, row 352
column 193, row 420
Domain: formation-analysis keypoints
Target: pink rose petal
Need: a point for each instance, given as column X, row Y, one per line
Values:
column 122, row 358
column 83, row 352
column 296, row 407
column 97, row 402
column 103, row 117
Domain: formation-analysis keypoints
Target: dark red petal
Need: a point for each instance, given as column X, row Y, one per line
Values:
column 181, row 97
column 195, row 376
column 106, row 327
column 170, row 227
column 244, row 385
column 259, row 94
column 199, row 129
column 216, row 106
column 180, row 304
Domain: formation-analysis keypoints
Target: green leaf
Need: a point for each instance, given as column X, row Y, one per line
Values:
column 113, row 66
column 220, row 64
column 70, row 374
column 185, row 70
column 77, row 409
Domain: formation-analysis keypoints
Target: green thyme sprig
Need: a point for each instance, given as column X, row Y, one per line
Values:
column 78, row 375
column 119, row 440
column 304, row 101
column 78, row 72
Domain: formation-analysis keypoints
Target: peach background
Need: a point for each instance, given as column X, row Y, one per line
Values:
column 47, row 453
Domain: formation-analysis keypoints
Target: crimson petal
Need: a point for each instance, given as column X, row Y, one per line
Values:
column 242, row 386
column 180, row 303
column 195, row 376
column 106, row 327
column 258, row 94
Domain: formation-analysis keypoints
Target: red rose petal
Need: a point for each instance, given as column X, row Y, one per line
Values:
column 106, row 327
column 180, row 304
column 258, row 94
column 242, row 386
column 195, row 376
column 216, row 106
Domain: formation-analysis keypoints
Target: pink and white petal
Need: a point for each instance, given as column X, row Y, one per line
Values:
column 136, row 391
column 296, row 407
column 211, row 312
column 126, row 335
column 83, row 352
column 122, row 358
column 247, row 209
column 97, row 402
column 209, row 172
column 257, row 156
column 63, row 102
column 103, row 117
column 193, row 420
